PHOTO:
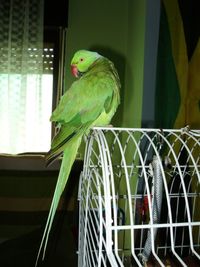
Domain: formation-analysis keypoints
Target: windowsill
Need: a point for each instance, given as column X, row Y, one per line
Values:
column 27, row 161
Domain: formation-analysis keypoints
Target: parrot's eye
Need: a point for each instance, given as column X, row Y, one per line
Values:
column 81, row 59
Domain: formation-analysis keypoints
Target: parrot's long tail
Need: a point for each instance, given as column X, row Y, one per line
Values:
column 69, row 156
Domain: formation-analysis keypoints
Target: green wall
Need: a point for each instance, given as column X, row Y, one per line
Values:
column 115, row 29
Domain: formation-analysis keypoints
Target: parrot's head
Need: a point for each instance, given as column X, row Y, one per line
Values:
column 82, row 60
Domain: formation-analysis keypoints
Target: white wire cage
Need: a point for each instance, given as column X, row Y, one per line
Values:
column 139, row 198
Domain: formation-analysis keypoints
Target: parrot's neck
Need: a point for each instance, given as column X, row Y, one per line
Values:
column 101, row 64
column 96, row 62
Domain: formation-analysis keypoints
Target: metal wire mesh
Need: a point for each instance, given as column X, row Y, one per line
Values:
column 139, row 198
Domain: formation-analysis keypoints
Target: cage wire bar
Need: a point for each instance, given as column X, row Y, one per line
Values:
column 139, row 198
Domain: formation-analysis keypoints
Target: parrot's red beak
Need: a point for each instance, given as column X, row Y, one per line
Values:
column 74, row 70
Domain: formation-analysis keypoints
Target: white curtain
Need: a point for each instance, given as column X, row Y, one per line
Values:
column 25, row 93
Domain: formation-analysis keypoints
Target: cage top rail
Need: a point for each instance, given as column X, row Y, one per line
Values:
column 180, row 130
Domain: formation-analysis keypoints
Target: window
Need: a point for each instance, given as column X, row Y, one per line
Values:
column 24, row 114
column 26, row 106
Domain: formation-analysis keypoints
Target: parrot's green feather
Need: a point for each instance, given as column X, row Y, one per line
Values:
column 62, row 139
column 90, row 101
column 87, row 96
column 69, row 156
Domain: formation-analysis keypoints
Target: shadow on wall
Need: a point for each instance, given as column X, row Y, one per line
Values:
column 120, row 64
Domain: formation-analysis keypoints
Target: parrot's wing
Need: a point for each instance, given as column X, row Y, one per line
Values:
column 79, row 107
column 85, row 100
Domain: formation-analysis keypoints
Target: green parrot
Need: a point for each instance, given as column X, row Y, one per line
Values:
column 90, row 101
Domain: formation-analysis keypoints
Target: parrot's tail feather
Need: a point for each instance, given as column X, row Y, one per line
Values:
column 62, row 139
column 57, row 150
column 69, row 156
column 45, row 236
